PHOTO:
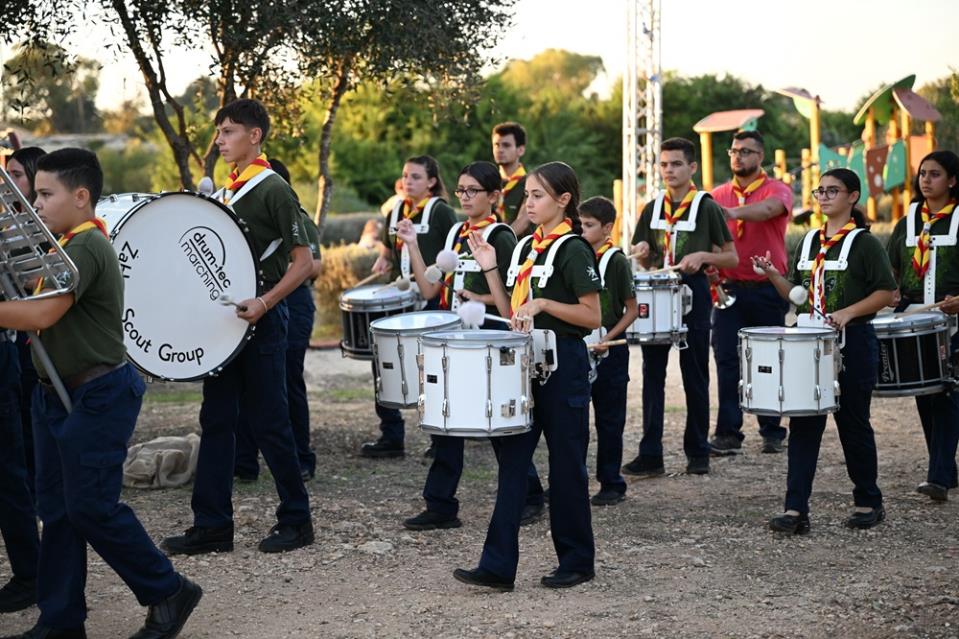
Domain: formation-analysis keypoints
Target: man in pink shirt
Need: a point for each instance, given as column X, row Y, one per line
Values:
column 758, row 209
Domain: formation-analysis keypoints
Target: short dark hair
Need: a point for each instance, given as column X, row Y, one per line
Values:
column 512, row 128
column 599, row 208
column 280, row 169
column 751, row 135
column 680, row 144
column 75, row 168
column 249, row 113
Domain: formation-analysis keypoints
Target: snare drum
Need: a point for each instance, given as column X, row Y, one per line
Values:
column 913, row 354
column 178, row 253
column 475, row 383
column 661, row 299
column 360, row 306
column 789, row 371
column 394, row 353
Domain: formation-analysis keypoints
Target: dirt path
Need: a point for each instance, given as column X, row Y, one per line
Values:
column 682, row 557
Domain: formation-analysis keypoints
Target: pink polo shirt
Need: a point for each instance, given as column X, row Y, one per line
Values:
column 758, row 237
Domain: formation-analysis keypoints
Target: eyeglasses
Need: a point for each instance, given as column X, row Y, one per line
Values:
column 468, row 194
column 743, row 153
column 827, row 193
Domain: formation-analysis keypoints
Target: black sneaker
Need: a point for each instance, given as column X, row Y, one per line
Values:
column 725, row 445
column 382, row 448
column 791, row 524
column 531, row 514
column 559, row 579
column 166, row 619
column 645, row 467
column 18, row 594
column 480, row 577
column 429, row 520
column 42, row 632
column 866, row 520
column 283, row 538
column 772, row 445
column 607, row 498
column 697, row 466
column 199, row 540
column 935, row 492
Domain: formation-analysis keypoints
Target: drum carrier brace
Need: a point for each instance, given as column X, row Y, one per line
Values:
column 422, row 228
column 465, row 263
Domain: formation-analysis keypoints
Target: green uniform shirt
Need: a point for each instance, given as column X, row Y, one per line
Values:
column 574, row 275
column 442, row 219
column 504, row 241
column 618, row 289
column 514, row 200
column 710, row 231
column 868, row 272
column 271, row 211
column 947, row 261
column 312, row 240
column 90, row 333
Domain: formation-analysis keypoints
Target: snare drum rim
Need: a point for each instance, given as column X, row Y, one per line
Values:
column 404, row 300
column 251, row 328
column 806, row 334
column 918, row 324
column 452, row 324
column 484, row 338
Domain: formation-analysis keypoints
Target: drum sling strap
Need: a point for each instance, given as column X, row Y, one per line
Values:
column 222, row 196
column 686, row 224
column 421, row 228
column 466, row 264
column 913, row 229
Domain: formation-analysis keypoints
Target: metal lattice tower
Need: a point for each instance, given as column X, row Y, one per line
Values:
column 642, row 109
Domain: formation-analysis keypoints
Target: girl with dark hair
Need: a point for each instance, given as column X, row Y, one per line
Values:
column 425, row 210
column 924, row 255
column 478, row 189
column 847, row 291
column 22, row 167
column 568, row 304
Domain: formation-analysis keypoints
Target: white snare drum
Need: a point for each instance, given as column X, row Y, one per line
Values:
column 113, row 208
column 661, row 299
column 360, row 306
column 789, row 371
column 913, row 354
column 475, row 383
column 394, row 352
column 179, row 252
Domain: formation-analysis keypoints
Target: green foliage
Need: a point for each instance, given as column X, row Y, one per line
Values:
column 129, row 170
column 944, row 95
column 343, row 267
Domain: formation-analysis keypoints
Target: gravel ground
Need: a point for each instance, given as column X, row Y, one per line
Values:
column 683, row 556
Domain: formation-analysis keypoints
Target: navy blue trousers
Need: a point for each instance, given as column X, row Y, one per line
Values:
column 18, row 519
column 300, row 327
column 939, row 415
column 79, row 477
column 609, row 417
column 860, row 357
column 254, row 384
column 561, row 414
column 694, row 365
column 755, row 306
column 28, row 381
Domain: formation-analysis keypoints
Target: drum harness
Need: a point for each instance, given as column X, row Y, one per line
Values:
column 466, row 263
column 421, row 228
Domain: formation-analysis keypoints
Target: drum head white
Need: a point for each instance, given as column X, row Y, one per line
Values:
column 113, row 208
column 785, row 331
column 475, row 338
column 375, row 295
column 899, row 321
column 423, row 320
column 179, row 253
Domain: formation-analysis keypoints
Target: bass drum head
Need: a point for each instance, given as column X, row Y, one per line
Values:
column 179, row 253
column 113, row 208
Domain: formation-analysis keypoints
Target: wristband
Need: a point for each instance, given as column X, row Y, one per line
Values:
column 266, row 308
column 490, row 270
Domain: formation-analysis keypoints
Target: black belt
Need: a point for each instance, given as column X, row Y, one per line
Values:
column 76, row 381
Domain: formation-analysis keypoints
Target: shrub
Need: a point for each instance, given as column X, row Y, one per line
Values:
column 343, row 267
column 345, row 228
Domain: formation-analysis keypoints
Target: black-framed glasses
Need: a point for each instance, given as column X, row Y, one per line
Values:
column 743, row 152
column 468, row 193
column 827, row 192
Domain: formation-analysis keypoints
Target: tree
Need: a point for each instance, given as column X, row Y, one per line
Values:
column 944, row 95
column 50, row 92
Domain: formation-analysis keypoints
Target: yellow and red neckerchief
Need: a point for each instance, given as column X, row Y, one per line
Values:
column 817, row 265
column 238, row 179
column 608, row 244
column 920, row 257
column 509, row 183
column 742, row 194
column 671, row 219
column 521, row 290
column 409, row 212
column 446, row 295
column 96, row 223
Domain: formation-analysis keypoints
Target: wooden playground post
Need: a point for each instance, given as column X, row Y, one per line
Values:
column 815, row 139
column 869, row 137
column 892, row 135
column 780, row 171
column 931, row 134
column 806, row 173
column 906, row 135
column 706, row 163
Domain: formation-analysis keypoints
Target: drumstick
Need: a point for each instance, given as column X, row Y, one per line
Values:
column 366, row 280
column 927, row 307
column 615, row 342
column 226, row 300
column 401, row 284
column 665, row 269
